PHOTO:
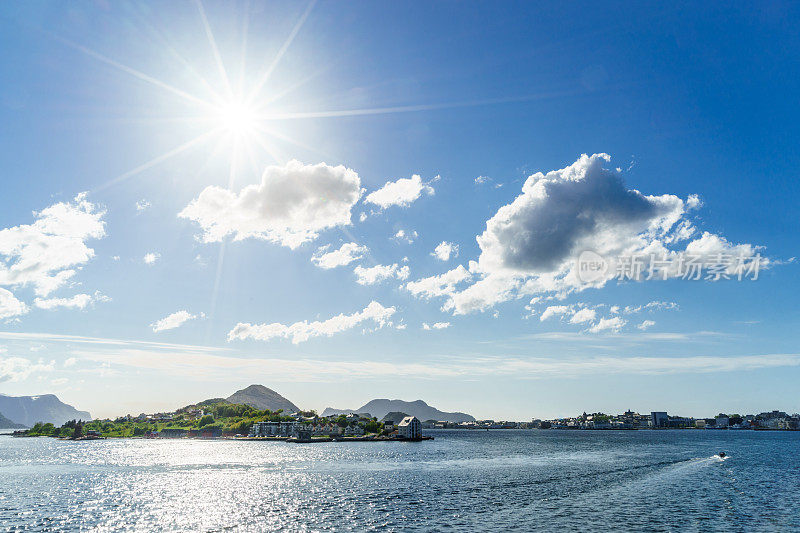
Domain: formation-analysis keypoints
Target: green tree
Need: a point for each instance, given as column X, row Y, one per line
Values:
column 373, row 426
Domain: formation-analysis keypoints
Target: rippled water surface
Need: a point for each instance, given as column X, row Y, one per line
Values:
column 463, row 480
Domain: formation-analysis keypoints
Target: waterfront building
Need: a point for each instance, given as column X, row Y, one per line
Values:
column 273, row 429
column 660, row 419
column 410, row 428
column 680, row 422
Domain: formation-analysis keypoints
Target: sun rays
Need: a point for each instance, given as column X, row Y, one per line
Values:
column 241, row 115
column 231, row 116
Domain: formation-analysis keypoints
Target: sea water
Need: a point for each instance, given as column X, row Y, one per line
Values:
column 501, row 480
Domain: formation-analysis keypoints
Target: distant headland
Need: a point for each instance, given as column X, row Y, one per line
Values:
column 255, row 413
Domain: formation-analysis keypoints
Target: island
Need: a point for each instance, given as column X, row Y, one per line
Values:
column 219, row 418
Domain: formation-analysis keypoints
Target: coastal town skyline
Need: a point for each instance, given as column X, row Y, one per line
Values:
column 354, row 202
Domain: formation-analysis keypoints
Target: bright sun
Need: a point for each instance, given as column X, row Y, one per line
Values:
column 237, row 118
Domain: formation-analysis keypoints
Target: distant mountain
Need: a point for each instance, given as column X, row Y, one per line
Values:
column 395, row 417
column 28, row 410
column 5, row 423
column 381, row 407
column 260, row 397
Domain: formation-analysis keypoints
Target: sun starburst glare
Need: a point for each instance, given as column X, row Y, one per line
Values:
column 237, row 118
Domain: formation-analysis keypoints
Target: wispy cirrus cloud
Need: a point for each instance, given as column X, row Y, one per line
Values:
column 212, row 366
column 102, row 341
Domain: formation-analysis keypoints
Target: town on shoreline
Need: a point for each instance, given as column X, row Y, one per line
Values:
column 630, row 420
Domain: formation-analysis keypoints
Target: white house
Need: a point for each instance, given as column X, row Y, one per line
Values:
column 410, row 428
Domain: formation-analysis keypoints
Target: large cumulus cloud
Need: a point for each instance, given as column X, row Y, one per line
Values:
column 529, row 246
column 561, row 213
column 291, row 205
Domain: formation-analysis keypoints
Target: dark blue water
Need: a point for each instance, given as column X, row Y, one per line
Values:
column 464, row 480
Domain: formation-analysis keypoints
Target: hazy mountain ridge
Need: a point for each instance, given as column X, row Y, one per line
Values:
column 27, row 410
column 261, row 397
column 379, row 408
column 5, row 423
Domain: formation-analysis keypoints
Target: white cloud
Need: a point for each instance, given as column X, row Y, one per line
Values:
column 378, row 273
column 401, row 192
column 436, row 325
column 345, row 255
column 47, row 253
column 441, row 285
column 141, row 205
column 70, row 361
column 291, row 205
column 482, row 180
column 19, row 368
column 650, row 306
column 151, row 257
column 646, row 324
column 583, row 315
column 555, row 311
column 78, row 301
column 403, row 272
column 174, row 320
column 445, row 250
column 559, row 214
column 613, row 324
column 529, row 246
column 10, row 306
column 303, row 331
column 406, row 236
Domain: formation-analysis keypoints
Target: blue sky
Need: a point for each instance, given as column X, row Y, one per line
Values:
column 120, row 137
